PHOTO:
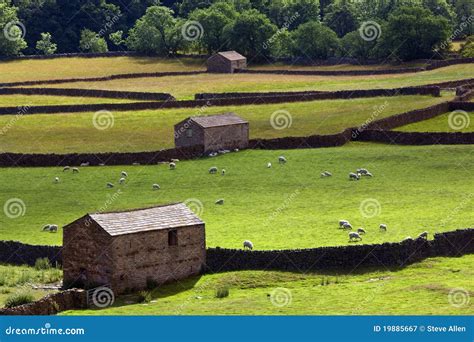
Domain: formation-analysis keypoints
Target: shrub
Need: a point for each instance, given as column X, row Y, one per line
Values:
column 151, row 283
column 315, row 40
column 144, row 296
column 42, row 264
column 18, row 298
column 222, row 292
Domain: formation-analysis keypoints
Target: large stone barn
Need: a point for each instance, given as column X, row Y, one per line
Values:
column 213, row 132
column 226, row 62
column 129, row 250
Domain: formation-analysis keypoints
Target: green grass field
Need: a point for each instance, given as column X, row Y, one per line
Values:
column 65, row 133
column 184, row 87
column 413, row 189
column 50, row 100
column 421, row 289
column 449, row 122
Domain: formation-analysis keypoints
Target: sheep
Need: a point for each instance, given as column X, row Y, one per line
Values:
column 383, row 227
column 354, row 176
column 347, row 225
column 269, row 165
column 75, row 170
column 353, row 236
column 212, row 154
column 156, row 187
column 423, row 235
column 101, row 164
column 368, row 174
column 135, row 164
column 282, row 160
column 122, row 180
column 362, row 171
column 248, row 244
column 124, row 174
column 52, row 228
column 326, row 174
column 236, row 150
column 110, row 185
column 172, row 166
column 408, row 238
column 174, row 160
column 85, row 164
column 223, row 172
column 66, row 168
column 220, row 201
column 56, row 179
column 213, row 170
column 342, row 222
column 361, row 231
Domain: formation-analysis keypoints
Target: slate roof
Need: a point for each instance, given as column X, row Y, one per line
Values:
column 148, row 219
column 231, row 55
column 225, row 119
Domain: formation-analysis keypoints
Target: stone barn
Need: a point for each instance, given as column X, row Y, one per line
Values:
column 213, row 132
column 128, row 250
column 226, row 62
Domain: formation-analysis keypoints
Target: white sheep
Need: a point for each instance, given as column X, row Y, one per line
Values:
column 361, row 230
column 56, row 179
column 101, row 164
column 347, row 225
column 354, row 176
column 66, row 168
column 236, row 150
column 52, row 228
column 327, row 173
column 135, row 164
column 172, row 166
column 110, row 185
column 423, row 235
column 156, row 186
column 353, row 236
column 213, row 170
column 408, row 238
column 248, row 244
column 174, row 160
column 85, row 164
column 269, row 165
column 75, row 170
column 220, row 201
column 124, row 174
column 212, row 154
column 342, row 222
column 362, row 171
column 122, row 180
column 368, row 174
column 282, row 160
column 383, row 227
column 223, row 172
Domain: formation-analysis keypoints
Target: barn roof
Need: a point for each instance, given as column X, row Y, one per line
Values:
column 148, row 219
column 217, row 120
column 231, row 55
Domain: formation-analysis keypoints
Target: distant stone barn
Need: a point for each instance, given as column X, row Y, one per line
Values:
column 213, row 132
column 226, row 62
column 130, row 249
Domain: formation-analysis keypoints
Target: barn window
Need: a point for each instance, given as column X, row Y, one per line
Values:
column 189, row 133
column 173, row 238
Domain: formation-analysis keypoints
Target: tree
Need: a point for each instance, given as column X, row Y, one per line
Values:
column 45, row 44
column 291, row 14
column 354, row 46
column 156, row 32
column 440, row 7
column 341, row 17
column 13, row 31
column 249, row 32
column 467, row 49
column 117, row 38
column 464, row 10
column 314, row 40
column 213, row 21
column 92, row 42
column 413, row 32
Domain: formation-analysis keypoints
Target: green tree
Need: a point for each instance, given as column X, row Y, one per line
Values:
column 45, row 44
column 12, row 31
column 341, row 17
column 117, row 38
column 467, row 49
column 464, row 10
column 354, row 46
column 249, row 32
column 314, row 40
column 291, row 14
column 92, row 42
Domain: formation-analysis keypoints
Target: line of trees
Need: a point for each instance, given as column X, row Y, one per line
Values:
column 260, row 29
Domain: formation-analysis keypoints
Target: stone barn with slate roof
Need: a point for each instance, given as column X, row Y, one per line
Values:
column 128, row 250
column 214, row 132
column 226, row 62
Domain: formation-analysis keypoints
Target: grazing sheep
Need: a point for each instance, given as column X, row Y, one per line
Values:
column 326, row 174
column 354, row 176
column 383, row 227
column 248, row 244
column 85, row 164
column 101, row 164
column 75, row 170
column 213, row 170
column 223, row 172
column 342, row 222
column 423, row 235
column 408, row 238
column 56, row 179
column 362, row 171
column 220, row 201
column 269, row 165
column 156, row 186
column 135, row 164
column 66, row 168
column 282, row 160
column 52, row 228
column 236, row 150
column 172, row 166
column 212, row 154
column 124, row 174
column 361, row 231
column 174, row 160
column 368, row 174
column 353, row 236
column 122, row 180
column 347, row 225
column 110, row 185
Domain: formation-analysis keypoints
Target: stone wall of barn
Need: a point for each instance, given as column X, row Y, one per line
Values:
column 219, row 64
column 183, row 139
column 144, row 257
column 226, row 137
column 86, row 255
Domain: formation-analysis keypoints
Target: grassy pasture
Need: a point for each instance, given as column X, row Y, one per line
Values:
column 413, row 189
column 184, row 87
column 339, row 67
column 441, row 123
column 421, row 289
column 50, row 100
column 65, row 133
